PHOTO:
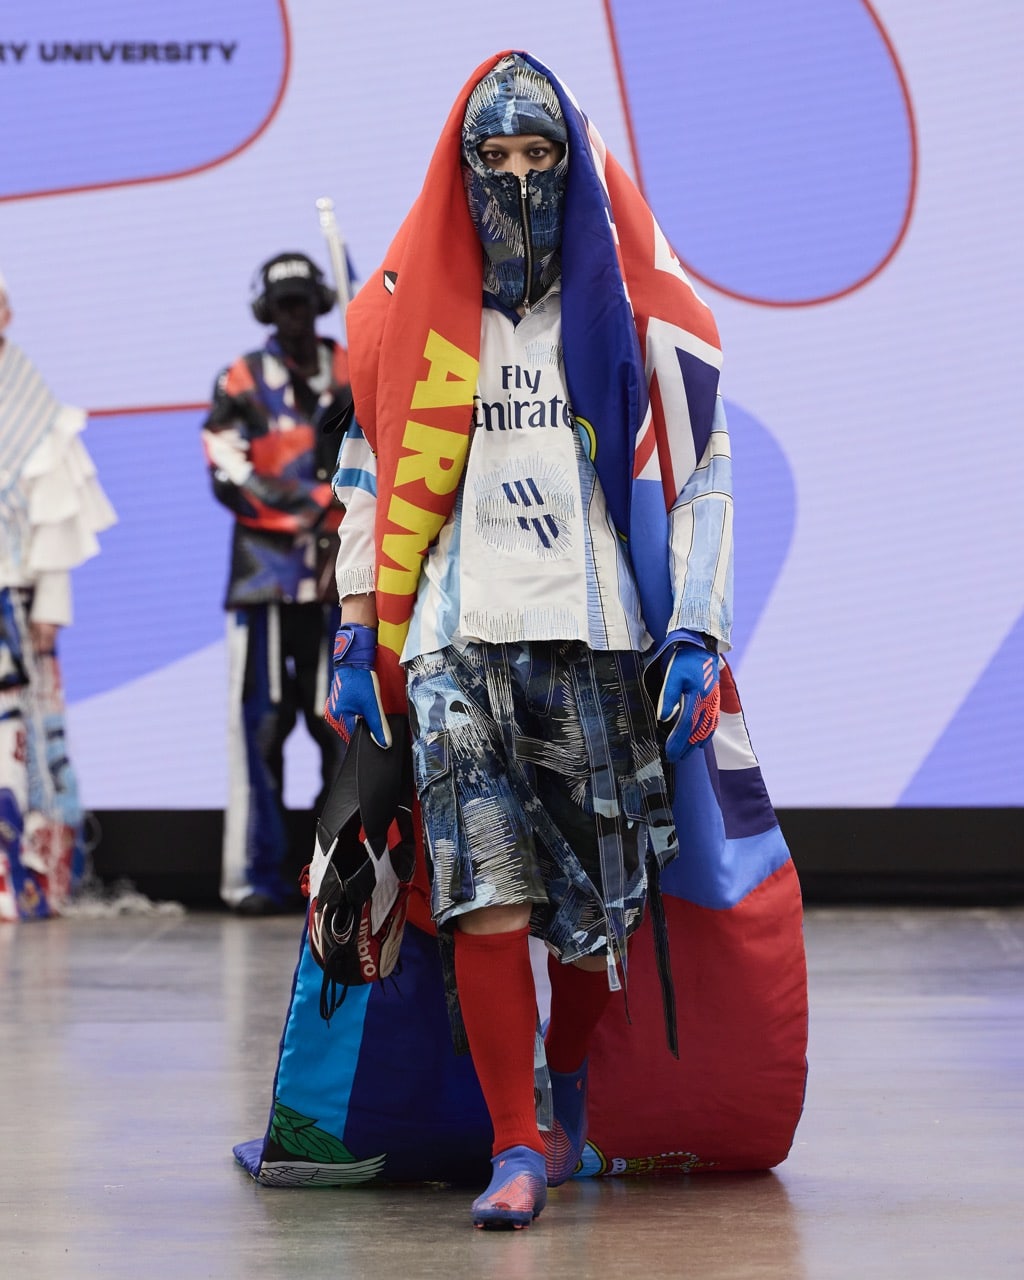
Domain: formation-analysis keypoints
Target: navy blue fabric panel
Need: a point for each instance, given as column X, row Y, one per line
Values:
column 746, row 805
column 412, row 1099
column 723, row 851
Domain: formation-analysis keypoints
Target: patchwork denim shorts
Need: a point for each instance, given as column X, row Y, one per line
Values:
column 540, row 778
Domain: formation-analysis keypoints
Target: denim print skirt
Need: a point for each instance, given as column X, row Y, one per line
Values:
column 540, row 778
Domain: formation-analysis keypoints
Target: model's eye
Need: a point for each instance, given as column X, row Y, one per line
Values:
column 492, row 157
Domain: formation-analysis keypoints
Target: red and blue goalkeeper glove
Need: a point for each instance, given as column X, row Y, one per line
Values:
column 354, row 690
column 690, row 695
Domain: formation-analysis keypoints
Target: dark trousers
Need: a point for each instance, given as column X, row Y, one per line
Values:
column 280, row 666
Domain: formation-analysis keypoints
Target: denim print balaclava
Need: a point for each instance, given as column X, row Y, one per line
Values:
column 515, row 99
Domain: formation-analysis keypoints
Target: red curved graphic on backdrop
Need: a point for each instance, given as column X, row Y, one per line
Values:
column 200, row 168
column 123, row 410
column 911, row 193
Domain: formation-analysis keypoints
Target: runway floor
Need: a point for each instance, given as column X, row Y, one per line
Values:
column 134, row 1052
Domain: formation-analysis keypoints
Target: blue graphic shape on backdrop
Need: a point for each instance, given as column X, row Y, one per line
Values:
column 775, row 142
column 979, row 758
column 114, row 118
column 154, row 593
column 765, row 515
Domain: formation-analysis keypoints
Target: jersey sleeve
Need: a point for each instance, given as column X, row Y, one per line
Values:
column 355, row 486
column 701, row 542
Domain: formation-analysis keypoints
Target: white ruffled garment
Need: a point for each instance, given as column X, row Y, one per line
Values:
column 53, row 516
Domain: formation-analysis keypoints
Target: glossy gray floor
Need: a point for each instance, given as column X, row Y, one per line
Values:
column 135, row 1052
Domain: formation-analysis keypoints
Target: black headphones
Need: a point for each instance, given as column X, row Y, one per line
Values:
column 325, row 296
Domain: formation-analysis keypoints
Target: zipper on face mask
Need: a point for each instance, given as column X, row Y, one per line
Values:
column 524, row 214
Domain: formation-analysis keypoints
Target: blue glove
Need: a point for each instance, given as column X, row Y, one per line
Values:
column 690, row 696
column 354, row 689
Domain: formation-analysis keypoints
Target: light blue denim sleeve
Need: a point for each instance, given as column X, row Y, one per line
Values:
column 700, row 541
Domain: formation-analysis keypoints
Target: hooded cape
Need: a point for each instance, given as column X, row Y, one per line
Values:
column 380, row 1093
column 635, row 337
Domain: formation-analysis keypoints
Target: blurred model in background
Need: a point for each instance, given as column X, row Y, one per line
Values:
column 271, row 464
column 51, row 508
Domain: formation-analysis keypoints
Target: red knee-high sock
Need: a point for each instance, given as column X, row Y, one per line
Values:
column 499, row 1008
column 578, row 999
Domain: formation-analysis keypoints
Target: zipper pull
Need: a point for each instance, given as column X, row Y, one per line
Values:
column 613, row 973
column 524, row 210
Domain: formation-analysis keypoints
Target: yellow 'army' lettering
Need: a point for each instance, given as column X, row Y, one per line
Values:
column 451, row 378
column 434, row 456
column 406, row 549
column 435, row 460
